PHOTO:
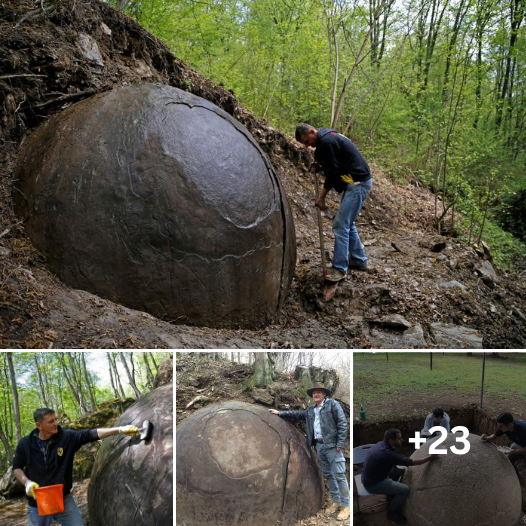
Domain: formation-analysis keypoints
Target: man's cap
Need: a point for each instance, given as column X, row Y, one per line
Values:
column 318, row 385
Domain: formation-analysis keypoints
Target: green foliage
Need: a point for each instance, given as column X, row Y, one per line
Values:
column 377, row 380
column 440, row 103
column 513, row 214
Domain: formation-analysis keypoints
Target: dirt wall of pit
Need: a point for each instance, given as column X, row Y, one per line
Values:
column 476, row 419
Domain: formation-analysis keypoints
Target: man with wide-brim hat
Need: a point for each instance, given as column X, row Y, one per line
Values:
column 327, row 430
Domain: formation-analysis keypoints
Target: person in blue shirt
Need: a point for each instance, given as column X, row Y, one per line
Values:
column 513, row 429
column 346, row 171
column 380, row 472
column 45, row 458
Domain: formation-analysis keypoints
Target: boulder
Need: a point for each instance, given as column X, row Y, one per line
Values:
column 452, row 489
column 159, row 200
column 10, row 486
column 239, row 464
column 455, row 336
column 132, row 480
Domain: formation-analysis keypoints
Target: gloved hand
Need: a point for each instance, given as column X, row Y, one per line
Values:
column 129, row 430
column 30, row 486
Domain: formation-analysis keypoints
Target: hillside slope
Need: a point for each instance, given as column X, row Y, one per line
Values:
column 49, row 61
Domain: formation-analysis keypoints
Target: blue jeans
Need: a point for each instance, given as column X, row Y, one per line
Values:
column 513, row 458
column 347, row 245
column 332, row 464
column 389, row 486
column 69, row 517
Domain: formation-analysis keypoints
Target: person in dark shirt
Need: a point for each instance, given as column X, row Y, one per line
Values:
column 513, row 429
column 346, row 171
column 46, row 455
column 380, row 472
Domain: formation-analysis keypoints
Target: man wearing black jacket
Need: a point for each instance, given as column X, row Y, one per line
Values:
column 46, row 455
column 346, row 171
column 327, row 430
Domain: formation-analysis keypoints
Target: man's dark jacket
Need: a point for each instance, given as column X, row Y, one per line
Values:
column 59, row 466
column 332, row 422
column 338, row 156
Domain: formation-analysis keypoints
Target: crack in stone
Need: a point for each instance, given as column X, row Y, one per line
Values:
column 285, row 483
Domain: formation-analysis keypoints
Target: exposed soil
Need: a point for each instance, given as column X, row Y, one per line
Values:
column 200, row 382
column 43, row 70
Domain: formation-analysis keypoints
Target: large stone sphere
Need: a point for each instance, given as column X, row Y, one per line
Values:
column 239, row 464
column 480, row 487
column 132, row 479
column 159, row 200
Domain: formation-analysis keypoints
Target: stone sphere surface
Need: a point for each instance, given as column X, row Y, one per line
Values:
column 159, row 200
column 239, row 464
column 132, row 479
column 480, row 487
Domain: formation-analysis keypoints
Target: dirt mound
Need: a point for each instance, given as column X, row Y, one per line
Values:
column 77, row 49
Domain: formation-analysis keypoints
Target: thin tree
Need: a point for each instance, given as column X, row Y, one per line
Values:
column 16, row 406
column 70, row 379
column 36, row 356
column 148, row 370
column 110, row 365
column 88, row 384
column 116, row 374
column 130, row 377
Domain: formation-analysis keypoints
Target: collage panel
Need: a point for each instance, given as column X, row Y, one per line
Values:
column 87, row 438
column 262, row 438
column 439, row 438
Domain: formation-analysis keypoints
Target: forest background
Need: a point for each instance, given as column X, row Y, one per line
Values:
column 432, row 91
column 71, row 383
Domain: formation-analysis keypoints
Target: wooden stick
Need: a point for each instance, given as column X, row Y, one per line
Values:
column 20, row 75
column 320, row 227
column 66, row 97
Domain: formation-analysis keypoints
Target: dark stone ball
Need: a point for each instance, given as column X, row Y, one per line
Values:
column 132, row 479
column 239, row 464
column 159, row 200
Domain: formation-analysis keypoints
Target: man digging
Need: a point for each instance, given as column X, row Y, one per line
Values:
column 346, row 171
column 47, row 455
column 327, row 430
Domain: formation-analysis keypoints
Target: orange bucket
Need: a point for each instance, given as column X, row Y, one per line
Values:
column 49, row 500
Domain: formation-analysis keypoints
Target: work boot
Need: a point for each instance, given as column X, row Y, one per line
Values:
column 344, row 514
column 334, row 275
column 354, row 266
column 396, row 516
column 333, row 508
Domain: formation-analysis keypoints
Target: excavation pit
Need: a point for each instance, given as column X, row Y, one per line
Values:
column 478, row 421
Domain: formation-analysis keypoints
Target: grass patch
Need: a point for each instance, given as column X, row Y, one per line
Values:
column 378, row 380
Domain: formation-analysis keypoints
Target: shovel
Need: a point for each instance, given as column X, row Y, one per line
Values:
column 329, row 288
column 320, row 227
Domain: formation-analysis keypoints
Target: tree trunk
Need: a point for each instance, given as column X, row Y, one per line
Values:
column 262, row 370
column 77, row 382
column 117, row 376
column 86, row 378
column 40, row 382
column 153, row 360
column 148, row 370
column 72, row 388
column 115, row 392
column 16, row 406
column 130, row 377
column 7, row 446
